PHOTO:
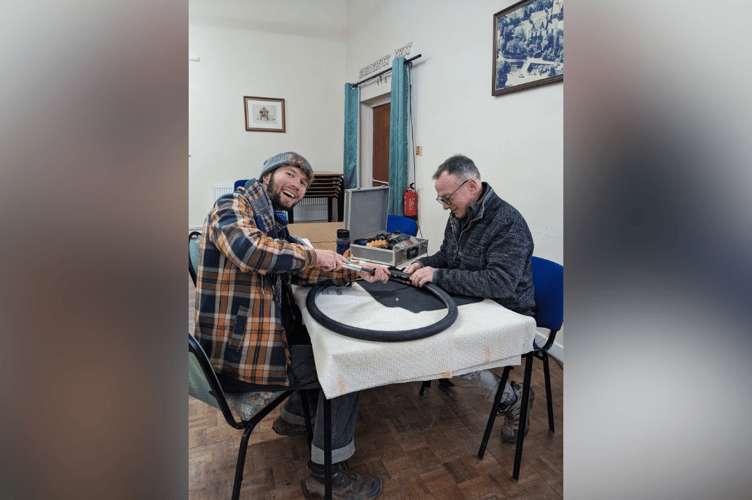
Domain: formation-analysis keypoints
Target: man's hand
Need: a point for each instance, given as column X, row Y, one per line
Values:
column 421, row 276
column 381, row 274
column 412, row 268
column 329, row 260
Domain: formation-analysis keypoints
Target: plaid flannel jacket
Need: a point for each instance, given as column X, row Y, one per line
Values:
column 247, row 261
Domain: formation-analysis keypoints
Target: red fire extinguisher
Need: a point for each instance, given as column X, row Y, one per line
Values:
column 411, row 202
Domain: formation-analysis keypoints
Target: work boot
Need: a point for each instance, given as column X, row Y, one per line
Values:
column 285, row 428
column 512, row 415
column 345, row 483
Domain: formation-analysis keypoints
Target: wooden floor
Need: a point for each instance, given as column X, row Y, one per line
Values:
column 422, row 447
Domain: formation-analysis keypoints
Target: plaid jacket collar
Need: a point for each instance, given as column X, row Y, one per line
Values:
column 265, row 218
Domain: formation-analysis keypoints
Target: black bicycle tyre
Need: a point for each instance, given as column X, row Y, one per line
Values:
column 384, row 336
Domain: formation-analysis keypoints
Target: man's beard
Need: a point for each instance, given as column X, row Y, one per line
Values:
column 275, row 193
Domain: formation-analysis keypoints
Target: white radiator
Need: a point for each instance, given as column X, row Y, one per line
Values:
column 220, row 189
column 311, row 209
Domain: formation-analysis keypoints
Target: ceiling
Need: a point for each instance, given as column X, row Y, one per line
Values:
column 319, row 18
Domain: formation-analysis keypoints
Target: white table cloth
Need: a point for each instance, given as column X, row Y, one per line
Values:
column 485, row 335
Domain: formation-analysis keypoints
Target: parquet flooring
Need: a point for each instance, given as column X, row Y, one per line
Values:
column 422, row 447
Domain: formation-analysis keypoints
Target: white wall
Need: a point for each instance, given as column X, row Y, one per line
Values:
column 238, row 60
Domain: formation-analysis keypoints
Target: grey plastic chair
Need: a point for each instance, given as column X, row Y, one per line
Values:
column 194, row 242
column 250, row 408
column 241, row 411
column 253, row 406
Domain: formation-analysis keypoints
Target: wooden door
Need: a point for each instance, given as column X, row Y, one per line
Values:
column 381, row 145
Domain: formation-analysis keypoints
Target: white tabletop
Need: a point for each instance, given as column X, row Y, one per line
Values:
column 485, row 335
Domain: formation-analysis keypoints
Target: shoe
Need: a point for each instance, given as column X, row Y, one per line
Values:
column 284, row 428
column 512, row 415
column 346, row 485
column 445, row 382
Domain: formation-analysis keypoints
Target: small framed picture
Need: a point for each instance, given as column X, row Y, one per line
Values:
column 264, row 114
column 528, row 45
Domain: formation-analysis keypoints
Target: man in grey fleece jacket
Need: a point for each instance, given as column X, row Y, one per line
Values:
column 485, row 253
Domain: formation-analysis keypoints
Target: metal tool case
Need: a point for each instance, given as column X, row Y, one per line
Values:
column 365, row 217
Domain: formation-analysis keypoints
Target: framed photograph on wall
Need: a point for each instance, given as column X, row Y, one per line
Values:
column 264, row 114
column 528, row 45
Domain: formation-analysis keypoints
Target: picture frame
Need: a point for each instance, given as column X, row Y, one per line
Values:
column 264, row 114
column 528, row 46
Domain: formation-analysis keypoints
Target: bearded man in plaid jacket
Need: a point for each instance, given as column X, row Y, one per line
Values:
column 247, row 320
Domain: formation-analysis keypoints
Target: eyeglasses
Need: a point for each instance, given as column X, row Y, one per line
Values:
column 447, row 200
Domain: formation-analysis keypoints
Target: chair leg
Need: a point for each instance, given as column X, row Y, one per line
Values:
column 494, row 410
column 523, row 414
column 307, row 412
column 241, row 461
column 426, row 383
column 328, row 449
column 549, row 398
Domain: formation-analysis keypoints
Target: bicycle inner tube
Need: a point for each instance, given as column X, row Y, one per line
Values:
column 392, row 335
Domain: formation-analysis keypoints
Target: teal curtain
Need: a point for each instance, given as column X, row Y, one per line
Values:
column 350, row 165
column 398, row 136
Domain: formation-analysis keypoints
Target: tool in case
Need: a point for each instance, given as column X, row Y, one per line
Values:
column 365, row 218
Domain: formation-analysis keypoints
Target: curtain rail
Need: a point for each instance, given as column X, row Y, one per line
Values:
column 382, row 72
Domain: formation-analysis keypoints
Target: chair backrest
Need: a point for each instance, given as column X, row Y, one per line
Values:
column 204, row 385
column 199, row 374
column 548, row 279
column 402, row 224
column 240, row 182
column 194, row 243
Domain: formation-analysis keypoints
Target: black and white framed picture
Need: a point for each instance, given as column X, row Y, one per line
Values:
column 528, row 42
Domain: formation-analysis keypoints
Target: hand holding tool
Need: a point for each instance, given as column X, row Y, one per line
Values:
column 356, row 267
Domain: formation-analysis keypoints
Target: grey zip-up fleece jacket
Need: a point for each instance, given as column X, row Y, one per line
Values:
column 489, row 256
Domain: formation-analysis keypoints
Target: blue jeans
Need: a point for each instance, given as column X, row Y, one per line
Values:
column 344, row 408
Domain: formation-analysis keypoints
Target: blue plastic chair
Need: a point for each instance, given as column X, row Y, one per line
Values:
column 402, row 224
column 548, row 279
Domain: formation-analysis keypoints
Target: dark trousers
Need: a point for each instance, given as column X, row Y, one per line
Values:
column 344, row 408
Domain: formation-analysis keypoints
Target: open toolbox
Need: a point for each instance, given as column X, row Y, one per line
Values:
column 365, row 218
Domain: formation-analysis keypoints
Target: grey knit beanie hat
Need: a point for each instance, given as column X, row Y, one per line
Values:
column 288, row 158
